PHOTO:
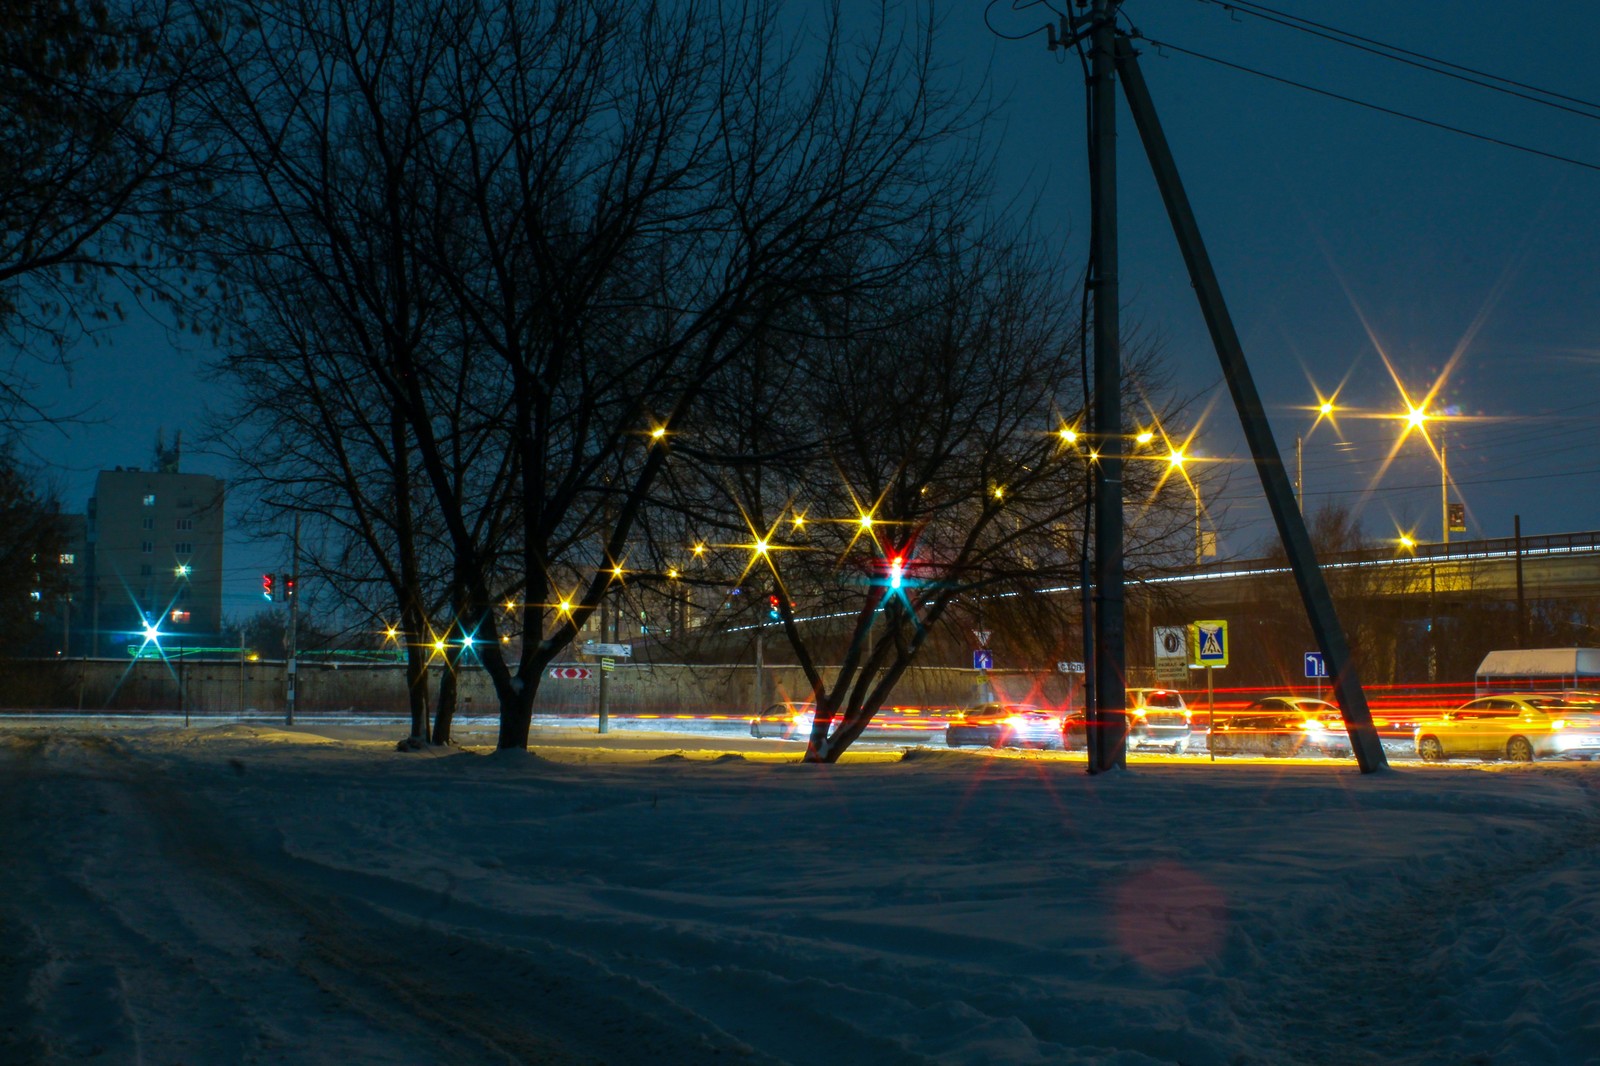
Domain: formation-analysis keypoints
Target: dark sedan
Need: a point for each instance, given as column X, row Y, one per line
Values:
column 1003, row 725
column 1284, row 726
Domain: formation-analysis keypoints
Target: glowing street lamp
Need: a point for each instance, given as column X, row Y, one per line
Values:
column 1175, row 460
column 1416, row 419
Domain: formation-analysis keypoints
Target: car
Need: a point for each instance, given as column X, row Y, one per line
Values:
column 1521, row 727
column 784, row 721
column 1004, row 725
column 1157, row 718
column 1281, row 725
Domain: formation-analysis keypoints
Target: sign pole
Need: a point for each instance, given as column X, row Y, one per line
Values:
column 1211, row 714
column 605, row 719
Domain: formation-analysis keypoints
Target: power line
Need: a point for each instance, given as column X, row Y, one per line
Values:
column 1431, row 485
column 1420, row 60
column 1371, row 106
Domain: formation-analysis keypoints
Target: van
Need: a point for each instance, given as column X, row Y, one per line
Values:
column 1539, row 670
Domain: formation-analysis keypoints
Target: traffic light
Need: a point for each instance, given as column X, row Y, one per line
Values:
column 772, row 606
column 267, row 586
column 897, row 571
column 288, row 586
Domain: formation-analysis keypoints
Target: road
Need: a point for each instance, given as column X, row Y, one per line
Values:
column 136, row 925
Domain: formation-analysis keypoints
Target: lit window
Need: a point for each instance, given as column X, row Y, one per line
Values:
column 180, row 616
column 146, row 547
column 68, row 559
column 36, row 595
column 150, row 499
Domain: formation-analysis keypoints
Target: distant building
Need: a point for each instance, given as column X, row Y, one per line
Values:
column 154, row 542
column 58, row 592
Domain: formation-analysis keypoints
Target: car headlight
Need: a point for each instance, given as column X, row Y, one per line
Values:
column 1559, row 723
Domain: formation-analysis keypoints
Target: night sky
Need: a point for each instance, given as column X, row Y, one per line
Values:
column 1338, row 233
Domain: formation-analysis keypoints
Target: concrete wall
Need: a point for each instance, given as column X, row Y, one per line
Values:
column 229, row 687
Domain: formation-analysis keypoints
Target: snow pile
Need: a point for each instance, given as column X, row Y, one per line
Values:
column 242, row 894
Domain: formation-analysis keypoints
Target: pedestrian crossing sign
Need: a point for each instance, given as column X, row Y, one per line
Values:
column 1208, row 644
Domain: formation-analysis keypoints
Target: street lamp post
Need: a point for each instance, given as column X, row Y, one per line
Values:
column 1199, row 540
column 1418, row 418
column 1444, row 492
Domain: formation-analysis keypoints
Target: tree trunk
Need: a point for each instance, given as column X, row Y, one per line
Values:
column 449, row 686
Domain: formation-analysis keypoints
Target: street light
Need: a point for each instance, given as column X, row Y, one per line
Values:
column 1417, row 418
column 1175, row 460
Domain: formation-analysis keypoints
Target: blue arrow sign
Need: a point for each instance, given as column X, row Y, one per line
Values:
column 983, row 659
column 1315, row 667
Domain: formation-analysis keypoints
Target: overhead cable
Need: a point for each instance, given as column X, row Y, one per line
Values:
column 1371, row 106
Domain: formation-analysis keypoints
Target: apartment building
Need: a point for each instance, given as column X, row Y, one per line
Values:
column 154, row 546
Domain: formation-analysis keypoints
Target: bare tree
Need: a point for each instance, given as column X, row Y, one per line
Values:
column 610, row 202
column 98, row 170
column 908, row 465
column 34, row 578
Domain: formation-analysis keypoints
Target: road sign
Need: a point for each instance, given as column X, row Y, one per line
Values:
column 571, row 673
column 983, row 659
column 1070, row 668
column 1208, row 644
column 619, row 651
column 983, row 637
column 1315, row 667
column 1172, row 654
column 608, row 664
column 1172, row 671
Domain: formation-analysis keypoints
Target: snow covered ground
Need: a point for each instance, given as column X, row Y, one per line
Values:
column 246, row 894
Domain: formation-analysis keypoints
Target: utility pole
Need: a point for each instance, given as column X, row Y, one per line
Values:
column 1107, row 727
column 1299, row 472
column 1286, row 512
column 1522, row 604
column 293, row 592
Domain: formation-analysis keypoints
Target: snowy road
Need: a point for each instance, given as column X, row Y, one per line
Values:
column 240, row 894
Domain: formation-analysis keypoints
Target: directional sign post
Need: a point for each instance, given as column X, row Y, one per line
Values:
column 983, row 659
column 570, row 673
column 1316, row 668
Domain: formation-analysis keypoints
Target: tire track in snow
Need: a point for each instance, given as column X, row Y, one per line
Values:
column 1402, row 988
column 272, row 969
